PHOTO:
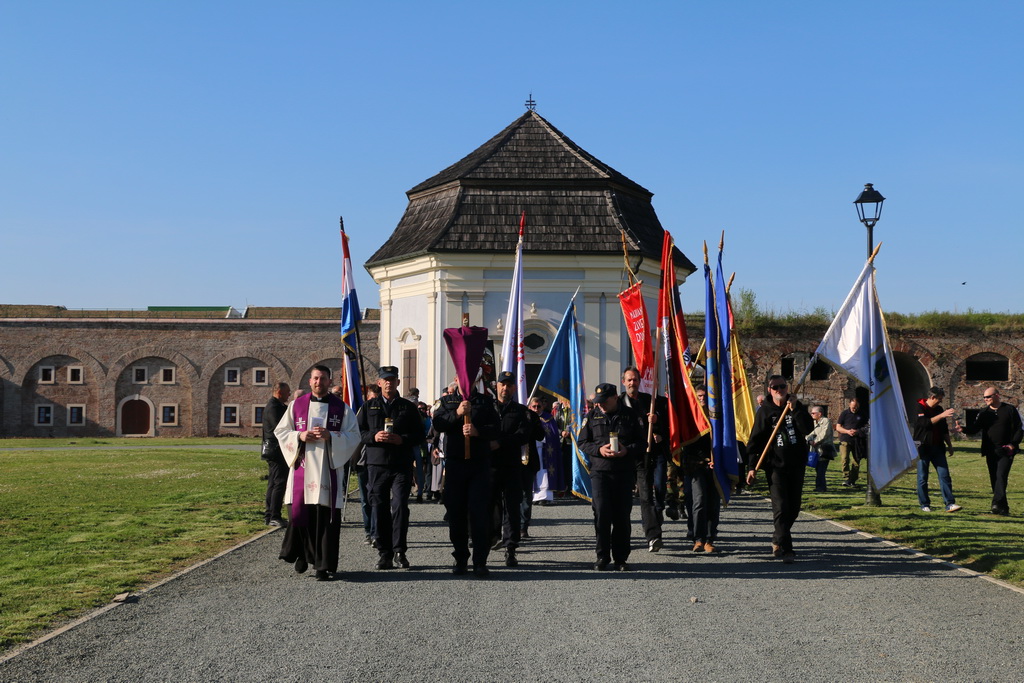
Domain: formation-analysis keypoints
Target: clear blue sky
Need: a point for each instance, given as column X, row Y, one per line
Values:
column 200, row 153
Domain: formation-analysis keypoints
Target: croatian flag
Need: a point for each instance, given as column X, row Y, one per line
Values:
column 513, row 358
column 350, row 317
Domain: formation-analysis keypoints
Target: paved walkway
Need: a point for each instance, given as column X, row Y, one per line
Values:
column 851, row 608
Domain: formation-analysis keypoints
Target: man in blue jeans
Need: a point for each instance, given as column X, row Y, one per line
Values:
column 931, row 431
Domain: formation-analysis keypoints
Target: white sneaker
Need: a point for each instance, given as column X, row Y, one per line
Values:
column 654, row 546
column 953, row 507
column 925, row 508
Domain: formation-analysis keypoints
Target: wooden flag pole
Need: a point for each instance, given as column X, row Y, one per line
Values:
column 785, row 411
column 466, row 420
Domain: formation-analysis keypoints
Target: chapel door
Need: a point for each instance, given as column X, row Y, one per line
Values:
column 135, row 418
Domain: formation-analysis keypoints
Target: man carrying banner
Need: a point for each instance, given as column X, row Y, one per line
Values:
column 318, row 434
column 613, row 438
column 515, row 431
column 467, row 485
column 785, row 461
column 650, row 467
column 703, row 502
column 390, row 428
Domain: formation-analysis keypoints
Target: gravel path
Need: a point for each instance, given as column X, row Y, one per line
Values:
column 851, row 608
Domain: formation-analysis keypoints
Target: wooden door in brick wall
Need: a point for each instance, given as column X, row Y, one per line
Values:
column 135, row 417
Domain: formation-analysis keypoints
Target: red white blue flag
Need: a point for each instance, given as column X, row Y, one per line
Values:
column 350, row 317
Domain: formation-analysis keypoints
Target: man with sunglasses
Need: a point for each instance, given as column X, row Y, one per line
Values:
column 1001, row 434
column 784, row 462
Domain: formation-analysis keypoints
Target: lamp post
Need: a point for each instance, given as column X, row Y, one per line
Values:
column 869, row 210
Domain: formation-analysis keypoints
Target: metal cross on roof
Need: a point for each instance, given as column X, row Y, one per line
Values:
column 531, row 104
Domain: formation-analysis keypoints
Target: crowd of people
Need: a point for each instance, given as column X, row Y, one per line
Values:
column 490, row 459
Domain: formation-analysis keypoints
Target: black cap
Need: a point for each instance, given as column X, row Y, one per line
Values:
column 506, row 376
column 604, row 391
column 388, row 372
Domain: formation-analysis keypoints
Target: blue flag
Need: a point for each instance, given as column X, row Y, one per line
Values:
column 719, row 381
column 350, row 317
column 562, row 376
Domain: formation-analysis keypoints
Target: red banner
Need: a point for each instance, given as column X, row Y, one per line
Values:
column 634, row 311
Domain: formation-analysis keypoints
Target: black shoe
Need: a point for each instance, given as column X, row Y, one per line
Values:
column 367, row 540
column 459, row 568
column 622, row 567
column 510, row 558
column 401, row 560
column 275, row 522
column 524, row 534
column 672, row 514
column 419, row 497
column 496, row 543
column 301, row 565
column 385, row 562
column 600, row 565
column 481, row 571
column 321, row 575
column 375, row 544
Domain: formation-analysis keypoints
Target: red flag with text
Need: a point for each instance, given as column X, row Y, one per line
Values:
column 634, row 311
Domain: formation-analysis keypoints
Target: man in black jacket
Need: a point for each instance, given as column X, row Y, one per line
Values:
column 467, row 485
column 650, row 466
column 785, row 461
column 277, row 468
column 1001, row 434
column 613, row 438
column 390, row 428
column 507, row 466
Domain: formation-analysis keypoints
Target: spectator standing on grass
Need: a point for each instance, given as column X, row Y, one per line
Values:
column 853, row 441
column 277, row 468
column 1001, row 434
column 931, row 432
column 821, row 440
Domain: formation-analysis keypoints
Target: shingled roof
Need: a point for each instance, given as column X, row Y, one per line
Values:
column 574, row 203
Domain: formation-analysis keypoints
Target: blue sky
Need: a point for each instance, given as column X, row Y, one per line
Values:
column 200, row 153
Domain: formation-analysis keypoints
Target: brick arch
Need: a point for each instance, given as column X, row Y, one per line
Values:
column 277, row 368
column 78, row 353
column 924, row 356
column 6, row 369
column 156, row 351
column 774, row 352
column 965, row 351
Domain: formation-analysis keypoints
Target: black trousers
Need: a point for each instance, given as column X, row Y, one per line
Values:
column 706, row 505
column 467, row 498
column 277, row 481
column 506, row 500
column 317, row 542
column 999, row 475
column 388, row 490
column 613, row 502
column 650, row 516
column 785, row 485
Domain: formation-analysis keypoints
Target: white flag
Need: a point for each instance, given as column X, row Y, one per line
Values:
column 513, row 358
column 858, row 343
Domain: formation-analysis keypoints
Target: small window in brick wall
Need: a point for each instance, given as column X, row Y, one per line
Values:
column 820, row 370
column 229, row 416
column 75, row 374
column 987, row 367
column 788, row 365
column 44, row 415
column 46, row 374
column 76, row 415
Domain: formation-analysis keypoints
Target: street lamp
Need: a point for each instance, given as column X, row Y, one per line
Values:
column 869, row 210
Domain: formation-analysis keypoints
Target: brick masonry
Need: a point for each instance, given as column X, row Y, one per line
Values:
column 113, row 366
column 94, row 364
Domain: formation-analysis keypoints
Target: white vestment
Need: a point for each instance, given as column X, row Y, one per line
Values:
column 319, row 457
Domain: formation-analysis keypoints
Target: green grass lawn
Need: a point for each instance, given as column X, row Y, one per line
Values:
column 78, row 527
column 972, row 537
column 122, row 441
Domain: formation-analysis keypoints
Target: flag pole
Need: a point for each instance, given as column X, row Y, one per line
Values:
column 359, row 342
column 532, row 393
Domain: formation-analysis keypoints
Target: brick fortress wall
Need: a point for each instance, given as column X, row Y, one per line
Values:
column 105, row 373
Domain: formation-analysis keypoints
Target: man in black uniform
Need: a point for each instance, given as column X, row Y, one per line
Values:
column 390, row 428
column 507, row 466
column 785, row 462
column 277, row 468
column 1001, row 434
column 467, row 485
column 648, row 464
column 613, row 438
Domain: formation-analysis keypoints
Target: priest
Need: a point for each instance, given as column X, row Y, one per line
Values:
column 318, row 434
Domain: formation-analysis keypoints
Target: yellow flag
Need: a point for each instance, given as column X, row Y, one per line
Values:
column 743, row 406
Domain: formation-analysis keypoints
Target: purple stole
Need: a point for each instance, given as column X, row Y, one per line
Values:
column 335, row 414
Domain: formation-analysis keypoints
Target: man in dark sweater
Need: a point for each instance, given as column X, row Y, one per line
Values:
column 390, row 428
column 785, row 461
column 931, row 432
column 277, row 468
column 612, row 437
column 1001, row 434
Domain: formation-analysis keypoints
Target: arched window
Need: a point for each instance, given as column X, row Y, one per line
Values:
column 987, row 367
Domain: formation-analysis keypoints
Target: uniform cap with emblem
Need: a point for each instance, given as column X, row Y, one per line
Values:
column 388, row 372
column 605, row 391
column 506, row 376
